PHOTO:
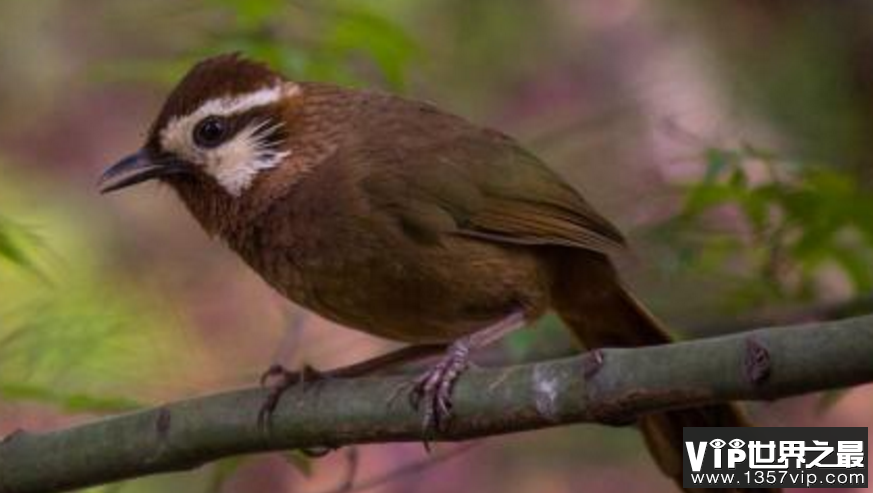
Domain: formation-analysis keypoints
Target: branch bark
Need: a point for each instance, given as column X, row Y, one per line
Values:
column 594, row 387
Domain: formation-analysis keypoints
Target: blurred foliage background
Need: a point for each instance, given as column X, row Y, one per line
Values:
column 729, row 139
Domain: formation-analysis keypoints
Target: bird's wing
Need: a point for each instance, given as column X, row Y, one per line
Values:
column 453, row 177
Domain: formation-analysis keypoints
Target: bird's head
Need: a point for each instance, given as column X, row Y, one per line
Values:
column 223, row 124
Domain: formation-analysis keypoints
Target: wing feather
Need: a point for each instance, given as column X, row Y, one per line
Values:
column 483, row 182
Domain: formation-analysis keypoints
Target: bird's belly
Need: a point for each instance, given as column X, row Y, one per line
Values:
column 434, row 294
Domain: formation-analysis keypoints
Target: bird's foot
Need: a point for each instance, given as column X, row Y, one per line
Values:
column 432, row 392
column 284, row 380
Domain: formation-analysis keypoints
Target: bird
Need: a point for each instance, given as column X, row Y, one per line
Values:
column 393, row 217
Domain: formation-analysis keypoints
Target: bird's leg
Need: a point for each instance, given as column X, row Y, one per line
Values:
column 388, row 360
column 433, row 389
column 308, row 375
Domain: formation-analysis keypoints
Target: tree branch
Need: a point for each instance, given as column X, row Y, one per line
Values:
column 762, row 364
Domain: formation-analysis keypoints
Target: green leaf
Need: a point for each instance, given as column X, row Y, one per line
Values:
column 222, row 471
column 300, row 461
column 10, row 250
column 717, row 161
column 857, row 266
column 15, row 240
column 708, row 195
column 520, row 344
column 738, row 179
column 253, row 13
column 756, row 207
column 829, row 399
column 362, row 31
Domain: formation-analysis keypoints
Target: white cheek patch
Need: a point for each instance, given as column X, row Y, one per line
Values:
column 235, row 163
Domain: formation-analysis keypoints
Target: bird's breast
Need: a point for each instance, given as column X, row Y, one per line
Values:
column 383, row 285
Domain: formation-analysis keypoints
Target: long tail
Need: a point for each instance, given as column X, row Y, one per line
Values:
column 601, row 313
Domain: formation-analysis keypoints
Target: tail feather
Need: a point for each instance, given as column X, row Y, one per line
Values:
column 601, row 313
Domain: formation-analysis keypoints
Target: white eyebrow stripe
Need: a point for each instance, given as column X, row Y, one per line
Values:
column 240, row 103
column 177, row 131
column 228, row 105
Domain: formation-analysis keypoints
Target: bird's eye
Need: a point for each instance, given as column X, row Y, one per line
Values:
column 210, row 132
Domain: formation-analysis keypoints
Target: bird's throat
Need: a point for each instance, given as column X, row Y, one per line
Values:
column 219, row 213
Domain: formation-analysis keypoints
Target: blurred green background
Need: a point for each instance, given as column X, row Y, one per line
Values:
column 731, row 140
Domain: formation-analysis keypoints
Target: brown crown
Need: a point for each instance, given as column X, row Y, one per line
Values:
column 212, row 78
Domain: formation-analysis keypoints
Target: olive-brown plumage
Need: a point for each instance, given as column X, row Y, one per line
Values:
column 392, row 217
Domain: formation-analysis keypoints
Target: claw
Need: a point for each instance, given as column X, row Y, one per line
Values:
column 287, row 379
column 431, row 393
column 272, row 371
column 416, row 396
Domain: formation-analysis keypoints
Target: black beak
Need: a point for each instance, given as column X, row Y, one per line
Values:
column 134, row 169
